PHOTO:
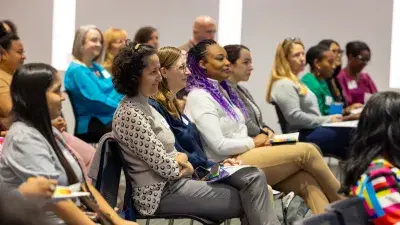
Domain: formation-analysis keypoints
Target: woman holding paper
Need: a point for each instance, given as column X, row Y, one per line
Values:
column 356, row 85
column 161, row 176
column 299, row 105
column 219, row 115
column 321, row 61
column 34, row 148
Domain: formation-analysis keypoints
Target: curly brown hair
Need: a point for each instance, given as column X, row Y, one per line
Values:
column 128, row 67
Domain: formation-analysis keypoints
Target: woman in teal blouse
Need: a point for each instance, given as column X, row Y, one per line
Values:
column 321, row 61
column 90, row 86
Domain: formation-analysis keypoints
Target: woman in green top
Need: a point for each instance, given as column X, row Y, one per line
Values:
column 321, row 61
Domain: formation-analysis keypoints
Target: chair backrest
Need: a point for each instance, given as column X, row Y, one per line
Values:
column 281, row 119
column 109, row 174
column 71, row 100
column 328, row 218
column 351, row 210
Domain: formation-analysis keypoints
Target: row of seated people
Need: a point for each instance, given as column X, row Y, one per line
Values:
column 202, row 60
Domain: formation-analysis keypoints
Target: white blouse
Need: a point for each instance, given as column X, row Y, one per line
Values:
column 222, row 136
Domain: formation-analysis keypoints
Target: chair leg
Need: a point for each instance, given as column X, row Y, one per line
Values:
column 148, row 222
column 191, row 222
column 227, row 222
column 171, row 222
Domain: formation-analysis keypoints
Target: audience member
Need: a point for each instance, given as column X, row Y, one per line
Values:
column 12, row 56
column 372, row 171
column 161, row 176
column 356, row 85
column 33, row 148
column 299, row 105
column 9, row 26
column 204, row 27
column 332, row 81
column 219, row 115
column 114, row 40
column 241, row 64
column 321, row 61
column 90, row 86
column 147, row 35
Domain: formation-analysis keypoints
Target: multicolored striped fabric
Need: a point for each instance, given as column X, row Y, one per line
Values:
column 379, row 186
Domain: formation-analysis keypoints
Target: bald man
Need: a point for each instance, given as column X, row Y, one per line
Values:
column 204, row 27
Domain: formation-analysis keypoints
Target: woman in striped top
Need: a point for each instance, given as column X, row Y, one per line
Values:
column 372, row 171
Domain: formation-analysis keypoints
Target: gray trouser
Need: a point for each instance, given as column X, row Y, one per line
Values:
column 243, row 195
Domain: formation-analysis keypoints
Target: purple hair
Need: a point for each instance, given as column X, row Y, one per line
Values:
column 198, row 80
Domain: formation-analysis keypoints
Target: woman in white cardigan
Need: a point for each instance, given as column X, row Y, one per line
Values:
column 220, row 118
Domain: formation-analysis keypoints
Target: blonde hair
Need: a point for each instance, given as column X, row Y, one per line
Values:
column 281, row 67
column 110, row 36
column 79, row 42
column 168, row 57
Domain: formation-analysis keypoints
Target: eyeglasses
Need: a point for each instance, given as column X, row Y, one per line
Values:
column 337, row 51
column 362, row 59
column 290, row 40
column 183, row 68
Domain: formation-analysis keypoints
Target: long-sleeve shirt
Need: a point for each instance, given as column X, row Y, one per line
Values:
column 92, row 92
column 321, row 90
column 27, row 153
column 187, row 136
column 254, row 121
column 148, row 147
column 300, row 111
column 354, row 90
column 379, row 186
column 222, row 136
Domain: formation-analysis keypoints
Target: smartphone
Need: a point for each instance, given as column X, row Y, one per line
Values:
column 214, row 172
column 201, row 173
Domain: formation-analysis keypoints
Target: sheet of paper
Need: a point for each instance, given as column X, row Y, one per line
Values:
column 351, row 124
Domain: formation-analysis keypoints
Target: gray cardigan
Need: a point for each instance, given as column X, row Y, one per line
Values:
column 254, row 121
column 300, row 111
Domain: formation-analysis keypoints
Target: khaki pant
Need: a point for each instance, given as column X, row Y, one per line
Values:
column 299, row 168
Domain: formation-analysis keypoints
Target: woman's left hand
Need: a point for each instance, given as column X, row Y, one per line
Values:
column 269, row 132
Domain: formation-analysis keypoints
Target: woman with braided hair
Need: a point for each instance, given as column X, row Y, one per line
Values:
column 220, row 116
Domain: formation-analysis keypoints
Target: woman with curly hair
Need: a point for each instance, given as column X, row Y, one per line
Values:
column 159, row 174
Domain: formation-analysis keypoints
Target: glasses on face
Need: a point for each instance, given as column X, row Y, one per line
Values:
column 183, row 68
column 362, row 59
column 337, row 51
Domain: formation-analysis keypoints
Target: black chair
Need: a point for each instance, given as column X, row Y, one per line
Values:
column 107, row 182
column 328, row 218
column 281, row 119
column 73, row 110
column 350, row 210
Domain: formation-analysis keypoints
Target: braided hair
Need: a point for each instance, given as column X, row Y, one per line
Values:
column 198, row 80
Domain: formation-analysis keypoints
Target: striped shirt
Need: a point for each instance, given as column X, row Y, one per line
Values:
column 379, row 186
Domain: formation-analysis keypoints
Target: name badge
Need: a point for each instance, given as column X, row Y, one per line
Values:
column 164, row 122
column 352, row 85
column 328, row 100
column 185, row 121
column 106, row 74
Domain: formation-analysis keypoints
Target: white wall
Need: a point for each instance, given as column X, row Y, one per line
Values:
column 173, row 19
column 34, row 20
column 266, row 22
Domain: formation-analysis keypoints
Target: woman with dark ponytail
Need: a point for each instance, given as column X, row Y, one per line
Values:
column 34, row 148
column 372, row 171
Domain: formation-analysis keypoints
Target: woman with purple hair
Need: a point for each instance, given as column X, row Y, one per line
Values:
column 220, row 116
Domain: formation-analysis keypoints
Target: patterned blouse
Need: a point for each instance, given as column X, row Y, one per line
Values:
column 380, row 187
column 148, row 147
